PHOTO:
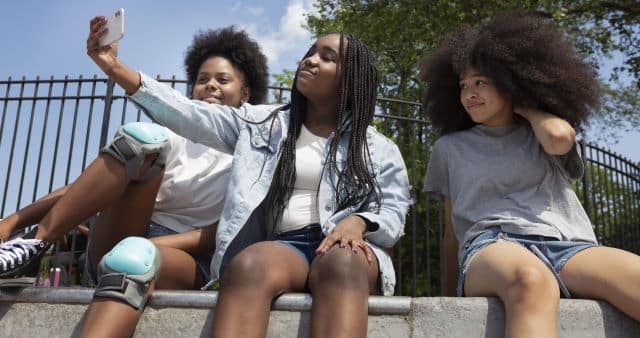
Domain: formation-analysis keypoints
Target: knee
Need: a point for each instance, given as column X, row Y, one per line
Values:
column 340, row 268
column 532, row 284
column 248, row 270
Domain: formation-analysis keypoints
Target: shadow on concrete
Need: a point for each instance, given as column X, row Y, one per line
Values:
column 4, row 308
column 208, row 324
column 616, row 323
column 304, row 325
column 495, row 318
column 78, row 327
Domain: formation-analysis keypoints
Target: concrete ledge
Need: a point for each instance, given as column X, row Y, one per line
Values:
column 378, row 305
column 57, row 312
column 484, row 317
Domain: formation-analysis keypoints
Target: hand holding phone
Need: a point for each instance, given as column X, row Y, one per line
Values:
column 115, row 28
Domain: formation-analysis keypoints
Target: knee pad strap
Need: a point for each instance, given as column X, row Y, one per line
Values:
column 126, row 272
column 133, row 142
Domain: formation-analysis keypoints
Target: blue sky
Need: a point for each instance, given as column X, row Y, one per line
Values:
column 48, row 37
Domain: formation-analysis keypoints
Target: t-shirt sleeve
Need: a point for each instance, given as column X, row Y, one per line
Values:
column 437, row 179
column 570, row 163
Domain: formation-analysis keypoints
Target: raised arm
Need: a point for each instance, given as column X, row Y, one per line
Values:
column 554, row 133
column 106, row 58
column 213, row 125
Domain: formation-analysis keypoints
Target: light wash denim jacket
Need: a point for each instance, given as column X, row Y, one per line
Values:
column 242, row 222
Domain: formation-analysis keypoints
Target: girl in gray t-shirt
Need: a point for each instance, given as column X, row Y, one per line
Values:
column 506, row 99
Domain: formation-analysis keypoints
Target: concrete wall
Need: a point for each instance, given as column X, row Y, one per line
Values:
column 41, row 312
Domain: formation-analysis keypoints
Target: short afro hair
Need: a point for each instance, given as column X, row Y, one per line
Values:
column 235, row 46
column 525, row 56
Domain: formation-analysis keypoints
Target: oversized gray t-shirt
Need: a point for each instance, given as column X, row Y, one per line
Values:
column 502, row 177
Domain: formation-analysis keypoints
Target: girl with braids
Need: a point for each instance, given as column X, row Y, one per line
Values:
column 315, row 193
column 507, row 99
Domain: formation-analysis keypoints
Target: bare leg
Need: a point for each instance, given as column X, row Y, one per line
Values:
column 340, row 283
column 30, row 214
column 606, row 273
column 102, row 183
column 96, row 188
column 253, row 278
column 107, row 317
column 197, row 242
column 129, row 215
column 526, row 286
column 179, row 271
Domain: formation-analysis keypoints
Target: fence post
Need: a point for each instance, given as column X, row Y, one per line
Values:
column 106, row 116
column 585, row 176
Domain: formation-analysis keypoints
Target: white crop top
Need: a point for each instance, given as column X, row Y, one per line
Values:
column 302, row 208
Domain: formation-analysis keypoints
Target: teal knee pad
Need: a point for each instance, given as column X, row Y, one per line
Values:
column 126, row 272
column 133, row 142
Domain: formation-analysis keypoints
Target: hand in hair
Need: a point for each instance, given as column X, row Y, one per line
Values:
column 555, row 134
column 348, row 232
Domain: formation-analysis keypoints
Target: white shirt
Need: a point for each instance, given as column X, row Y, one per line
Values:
column 194, row 185
column 302, row 208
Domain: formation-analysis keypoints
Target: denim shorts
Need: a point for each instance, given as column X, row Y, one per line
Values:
column 553, row 252
column 155, row 230
column 304, row 241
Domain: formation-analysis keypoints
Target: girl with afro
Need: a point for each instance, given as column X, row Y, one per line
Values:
column 507, row 99
column 178, row 208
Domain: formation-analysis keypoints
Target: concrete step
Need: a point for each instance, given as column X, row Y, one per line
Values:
column 57, row 312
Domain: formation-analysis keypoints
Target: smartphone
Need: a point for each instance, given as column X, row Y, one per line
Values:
column 115, row 28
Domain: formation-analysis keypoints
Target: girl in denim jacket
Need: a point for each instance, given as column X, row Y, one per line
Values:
column 316, row 194
column 506, row 99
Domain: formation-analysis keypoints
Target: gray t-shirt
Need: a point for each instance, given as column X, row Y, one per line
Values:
column 501, row 176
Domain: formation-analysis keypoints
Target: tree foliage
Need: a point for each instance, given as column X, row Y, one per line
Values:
column 402, row 32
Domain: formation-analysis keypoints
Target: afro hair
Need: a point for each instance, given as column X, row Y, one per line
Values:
column 235, row 46
column 529, row 62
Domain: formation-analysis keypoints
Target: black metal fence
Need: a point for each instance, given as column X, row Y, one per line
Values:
column 51, row 129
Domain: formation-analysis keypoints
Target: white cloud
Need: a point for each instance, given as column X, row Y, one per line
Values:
column 236, row 7
column 255, row 11
column 289, row 39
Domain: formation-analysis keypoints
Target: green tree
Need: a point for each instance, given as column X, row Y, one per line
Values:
column 612, row 201
column 402, row 32
column 282, row 80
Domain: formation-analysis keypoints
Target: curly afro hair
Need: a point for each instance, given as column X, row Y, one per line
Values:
column 527, row 59
column 235, row 46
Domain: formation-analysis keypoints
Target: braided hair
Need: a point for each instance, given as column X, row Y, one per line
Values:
column 357, row 91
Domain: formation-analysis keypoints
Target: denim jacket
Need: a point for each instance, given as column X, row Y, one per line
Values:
column 255, row 159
